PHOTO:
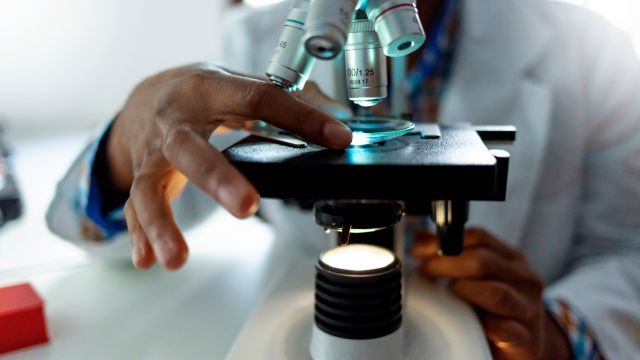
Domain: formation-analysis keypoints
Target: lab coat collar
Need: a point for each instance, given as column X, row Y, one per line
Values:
column 495, row 82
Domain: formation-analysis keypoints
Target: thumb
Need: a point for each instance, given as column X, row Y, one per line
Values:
column 314, row 96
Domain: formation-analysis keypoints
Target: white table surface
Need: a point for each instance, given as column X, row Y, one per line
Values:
column 100, row 310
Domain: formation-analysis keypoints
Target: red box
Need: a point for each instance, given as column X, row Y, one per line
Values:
column 22, row 321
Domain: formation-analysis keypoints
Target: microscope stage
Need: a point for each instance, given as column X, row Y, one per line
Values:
column 456, row 165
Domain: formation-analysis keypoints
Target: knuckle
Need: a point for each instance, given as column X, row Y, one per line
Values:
column 168, row 101
column 143, row 182
column 536, row 312
column 218, row 178
column 153, row 228
column 504, row 298
column 256, row 96
column 210, row 175
column 535, row 285
column 174, row 138
column 165, row 105
column 208, row 71
column 481, row 263
column 182, row 92
column 196, row 80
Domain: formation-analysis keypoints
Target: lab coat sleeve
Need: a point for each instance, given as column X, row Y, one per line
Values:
column 604, row 281
column 67, row 216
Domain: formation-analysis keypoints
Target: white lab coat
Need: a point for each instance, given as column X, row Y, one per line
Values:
column 570, row 82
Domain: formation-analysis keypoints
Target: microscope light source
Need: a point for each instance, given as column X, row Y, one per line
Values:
column 358, row 309
column 358, row 257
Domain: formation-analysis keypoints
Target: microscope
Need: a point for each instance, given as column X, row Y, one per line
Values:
column 394, row 168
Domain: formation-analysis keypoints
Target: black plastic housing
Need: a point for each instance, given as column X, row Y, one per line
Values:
column 358, row 305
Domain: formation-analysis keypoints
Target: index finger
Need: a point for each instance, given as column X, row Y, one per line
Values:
column 255, row 99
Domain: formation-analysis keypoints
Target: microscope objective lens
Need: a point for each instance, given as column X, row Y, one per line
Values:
column 290, row 64
column 405, row 46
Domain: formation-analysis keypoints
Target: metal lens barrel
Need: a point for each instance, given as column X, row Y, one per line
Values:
column 397, row 24
column 290, row 64
column 365, row 65
column 327, row 26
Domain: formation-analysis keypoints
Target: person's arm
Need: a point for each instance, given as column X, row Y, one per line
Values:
column 594, row 311
column 103, row 203
column 160, row 141
column 88, row 212
column 68, row 215
column 603, row 285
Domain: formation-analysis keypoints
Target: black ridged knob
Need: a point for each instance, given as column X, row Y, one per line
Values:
column 358, row 292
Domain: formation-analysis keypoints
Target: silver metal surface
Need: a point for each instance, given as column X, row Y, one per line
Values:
column 269, row 132
column 397, row 24
column 428, row 130
column 290, row 64
column 282, row 139
column 442, row 212
column 327, row 26
column 365, row 65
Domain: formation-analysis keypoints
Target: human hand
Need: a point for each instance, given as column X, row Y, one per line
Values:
column 160, row 140
column 506, row 293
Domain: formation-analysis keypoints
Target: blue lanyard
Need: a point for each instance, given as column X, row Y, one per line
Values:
column 433, row 52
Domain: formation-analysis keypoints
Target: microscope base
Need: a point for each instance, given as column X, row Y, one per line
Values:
column 328, row 347
column 436, row 324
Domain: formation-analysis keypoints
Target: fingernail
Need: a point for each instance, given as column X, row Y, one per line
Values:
column 238, row 199
column 250, row 204
column 336, row 135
